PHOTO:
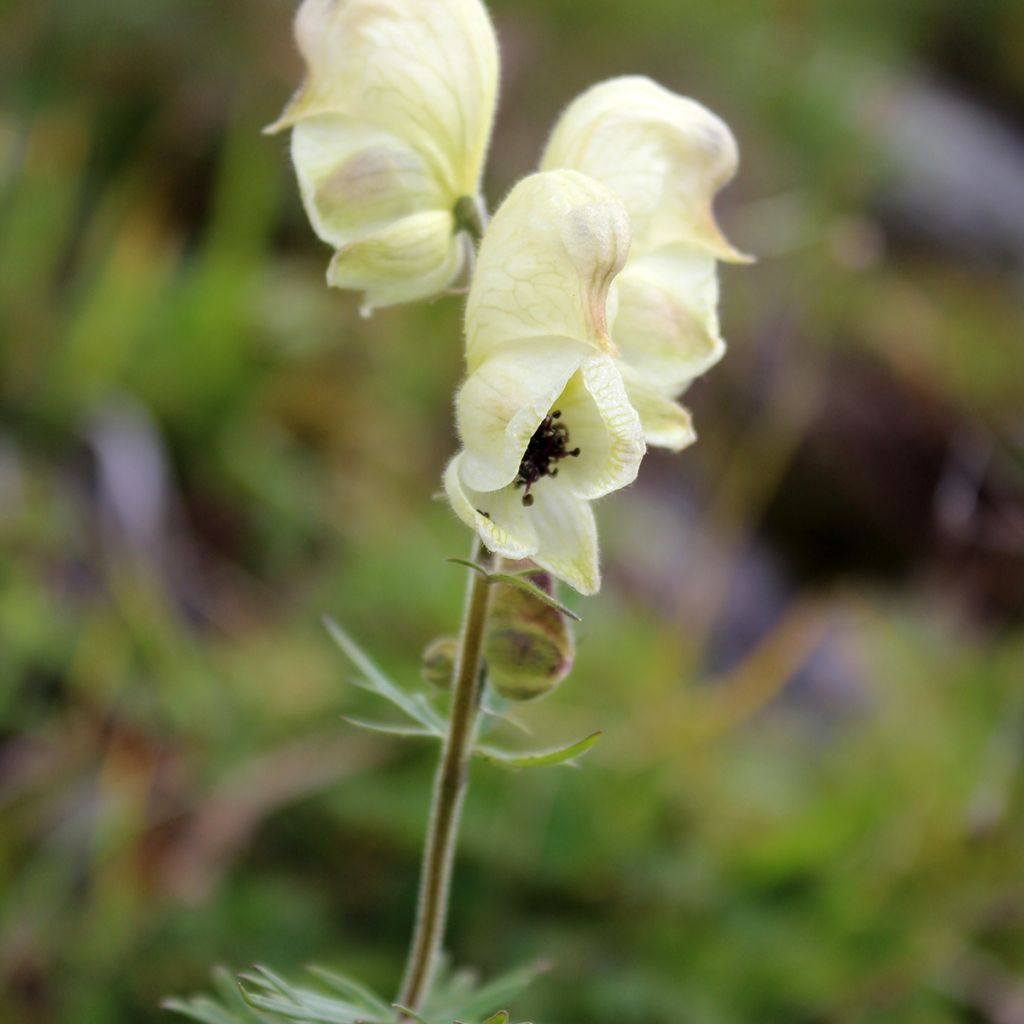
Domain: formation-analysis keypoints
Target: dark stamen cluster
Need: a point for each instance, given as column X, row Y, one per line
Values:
column 549, row 445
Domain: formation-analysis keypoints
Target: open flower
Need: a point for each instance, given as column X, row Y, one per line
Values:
column 665, row 156
column 389, row 132
column 544, row 418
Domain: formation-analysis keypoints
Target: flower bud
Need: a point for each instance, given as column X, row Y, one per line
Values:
column 528, row 646
column 437, row 665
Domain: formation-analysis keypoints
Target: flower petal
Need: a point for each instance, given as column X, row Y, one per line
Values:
column 425, row 72
column 354, row 177
column 566, row 538
column 503, row 523
column 413, row 258
column 666, row 424
column 666, row 319
column 664, row 155
column 546, row 263
column 503, row 401
column 596, row 411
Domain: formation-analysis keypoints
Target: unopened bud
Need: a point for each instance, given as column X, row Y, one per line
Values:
column 438, row 662
column 529, row 647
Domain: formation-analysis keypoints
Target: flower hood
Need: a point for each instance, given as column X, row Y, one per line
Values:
column 389, row 131
column 665, row 157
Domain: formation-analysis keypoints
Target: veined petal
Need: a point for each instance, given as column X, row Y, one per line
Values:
column 566, row 538
column 602, row 423
column 545, row 265
column 557, row 531
column 664, row 155
column 354, row 177
column 503, row 401
column 666, row 424
column 498, row 516
column 427, row 72
column 412, row 258
column 666, row 319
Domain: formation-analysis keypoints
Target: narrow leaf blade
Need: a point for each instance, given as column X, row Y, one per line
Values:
column 482, row 1001
column 537, row 759
column 375, row 680
column 475, row 566
column 496, row 707
column 200, row 1009
column 411, row 1014
column 347, row 986
column 389, row 728
column 531, row 588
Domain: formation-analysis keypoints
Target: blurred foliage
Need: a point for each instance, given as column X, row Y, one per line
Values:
column 808, row 657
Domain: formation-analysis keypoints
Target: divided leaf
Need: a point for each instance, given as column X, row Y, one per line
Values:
column 266, row 991
column 230, row 1009
column 413, row 705
column 262, row 997
column 454, row 1000
column 347, row 986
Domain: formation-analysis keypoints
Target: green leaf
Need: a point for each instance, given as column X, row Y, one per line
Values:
column 429, row 713
column 510, row 580
column 202, row 1009
column 333, row 1012
column 389, row 728
column 284, row 1000
column 493, row 705
column 519, row 579
column 267, row 977
column 231, row 1009
column 411, row 1014
column 261, row 997
column 374, row 680
column 452, row 1002
column 347, row 986
column 475, row 566
column 539, row 758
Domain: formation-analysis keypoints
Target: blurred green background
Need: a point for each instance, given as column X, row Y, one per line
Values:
column 808, row 657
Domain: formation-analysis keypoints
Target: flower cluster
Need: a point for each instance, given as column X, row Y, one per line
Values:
column 593, row 302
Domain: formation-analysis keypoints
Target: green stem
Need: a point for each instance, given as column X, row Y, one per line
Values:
column 471, row 216
column 449, row 791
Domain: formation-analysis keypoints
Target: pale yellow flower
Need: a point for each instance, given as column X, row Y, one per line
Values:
column 665, row 156
column 543, row 416
column 389, row 131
